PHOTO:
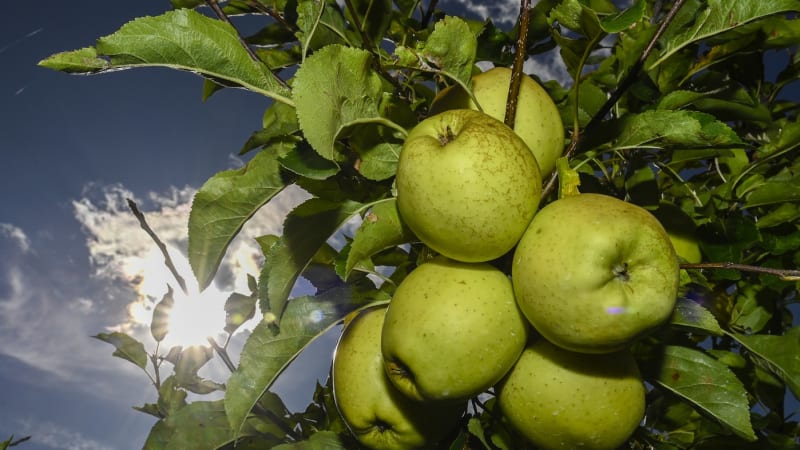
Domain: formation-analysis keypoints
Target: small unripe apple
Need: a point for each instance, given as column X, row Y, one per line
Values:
column 560, row 400
column 593, row 273
column 467, row 186
column 537, row 120
column 379, row 416
column 452, row 330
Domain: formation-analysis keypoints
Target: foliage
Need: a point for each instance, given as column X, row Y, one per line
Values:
column 692, row 120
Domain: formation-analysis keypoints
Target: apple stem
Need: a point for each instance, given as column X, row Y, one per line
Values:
column 447, row 136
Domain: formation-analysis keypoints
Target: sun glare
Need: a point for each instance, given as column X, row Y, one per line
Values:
column 196, row 315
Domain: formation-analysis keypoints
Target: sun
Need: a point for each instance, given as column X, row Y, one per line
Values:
column 195, row 316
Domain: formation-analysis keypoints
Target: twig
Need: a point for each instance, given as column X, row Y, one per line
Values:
column 429, row 13
column 214, row 5
column 360, row 27
column 19, row 441
column 370, row 46
column 623, row 86
column 519, row 61
column 783, row 274
column 167, row 259
column 272, row 13
column 223, row 354
column 630, row 78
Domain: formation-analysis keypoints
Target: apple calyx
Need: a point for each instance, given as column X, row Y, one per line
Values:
column 446, row 137
column 399, row 370
column 621, row 272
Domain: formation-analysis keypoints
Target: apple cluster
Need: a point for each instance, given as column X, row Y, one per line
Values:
column 590, row 275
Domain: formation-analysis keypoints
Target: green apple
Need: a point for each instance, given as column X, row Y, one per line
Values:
column 452, row 330
column 467, row 186
column 593, row 273
column 537, row 120
column 559, row 399
column 379, row 416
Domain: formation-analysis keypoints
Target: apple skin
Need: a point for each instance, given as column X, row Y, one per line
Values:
column 379, row 416
column 593, row 273
column 467, row 186
column 537, row 120
column 559, row 399
column 452, row 330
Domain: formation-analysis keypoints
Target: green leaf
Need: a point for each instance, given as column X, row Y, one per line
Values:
column 180, row 39
column 304, row 161
column 170, row 397
column 77, row 61
column 305, row 231
column 334, row 88
column 382, row 228
column 266, row 354
column 321, row 440
column 200, row 425
column 718, row 16
column 239, row 309
column 617, row 22
column 779, row 354
column 128, row 348
column 279, row 121
column 159, row 325
column 380, row 161
column 374, row 17
column 320, row 23
column 692, row 316
column 190, row 361
column 451, row 48
column 221, row 207
column 709, row 385
column 781, row 188
column 682, row 129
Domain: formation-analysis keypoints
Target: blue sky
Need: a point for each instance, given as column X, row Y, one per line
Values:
column 74, row 261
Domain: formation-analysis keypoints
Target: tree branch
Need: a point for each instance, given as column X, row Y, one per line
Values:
column 519, row 61
column 167, row 259
column 783, row 274
column 623, row 86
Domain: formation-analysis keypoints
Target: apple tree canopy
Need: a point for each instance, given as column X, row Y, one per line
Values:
column 686, row 106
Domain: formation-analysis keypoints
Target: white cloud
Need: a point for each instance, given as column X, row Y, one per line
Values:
column 55, row 436
column 503, row 11
column 16, row 235
column 49, row 308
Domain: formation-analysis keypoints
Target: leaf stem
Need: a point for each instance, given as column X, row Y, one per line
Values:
column 783, row 274
column 222, row 353
column 167, row 259
column 519, row 61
